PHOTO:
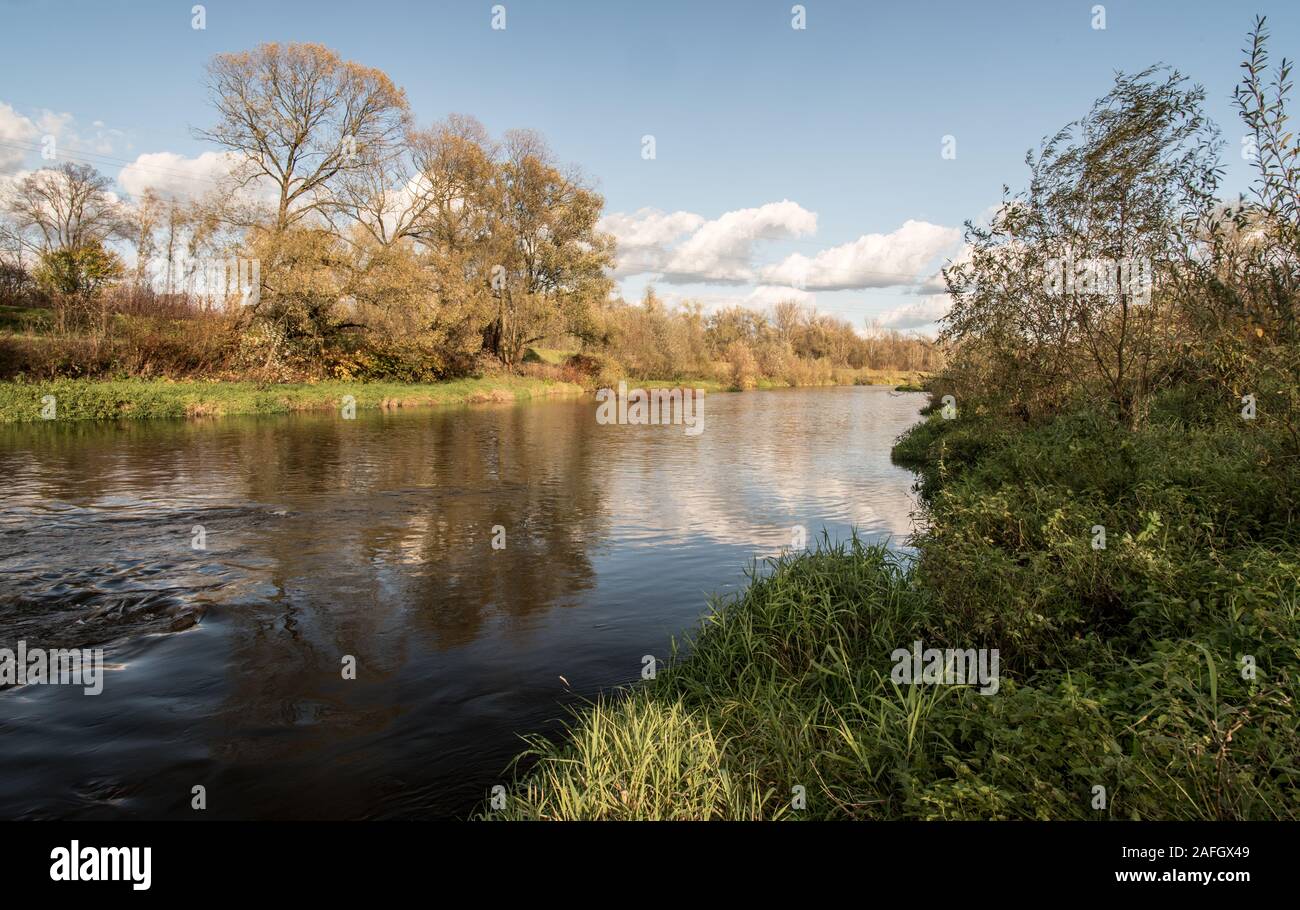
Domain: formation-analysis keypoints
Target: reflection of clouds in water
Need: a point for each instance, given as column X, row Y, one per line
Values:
column 413, row 545
column 810, row 457
column 373, row 538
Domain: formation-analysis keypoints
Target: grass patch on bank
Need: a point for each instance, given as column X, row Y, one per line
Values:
column 83, row 399
column 902, row 381
column 551, row 356
column 1164, row 668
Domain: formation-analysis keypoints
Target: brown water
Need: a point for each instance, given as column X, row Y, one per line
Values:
column 373, row 538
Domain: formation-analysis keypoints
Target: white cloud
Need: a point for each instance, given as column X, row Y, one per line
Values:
column 722, row 249
column 644, row 237
column 174, row 176
column 64, row 140
column 52, row 124
column 766, row 295
column 684, row 248
column 761, row 298
column 917, row 314
column 902, row 257
column 14, row 129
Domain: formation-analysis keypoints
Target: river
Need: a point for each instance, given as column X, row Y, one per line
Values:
column 228, row 567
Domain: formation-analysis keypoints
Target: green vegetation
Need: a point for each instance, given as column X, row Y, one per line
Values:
column 81, row 399
column 1120, row 668
column 1110, row 482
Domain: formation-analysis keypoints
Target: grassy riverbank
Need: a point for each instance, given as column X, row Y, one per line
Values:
column 97, row 399
column 903, row 380
column 1157, row 678
column 86, row 399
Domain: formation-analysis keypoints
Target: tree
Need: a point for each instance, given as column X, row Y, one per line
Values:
column 299, row 116
column 1247, row 311
column 1077, row 261
column 1125, row 187
column 66, row 207
column 548, row 261
column 142, row 221
column 75, row 279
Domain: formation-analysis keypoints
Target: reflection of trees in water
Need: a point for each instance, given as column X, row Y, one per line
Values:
column 95, row 536
column 385, row 551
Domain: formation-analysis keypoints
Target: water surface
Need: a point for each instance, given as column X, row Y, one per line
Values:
column 373, row 538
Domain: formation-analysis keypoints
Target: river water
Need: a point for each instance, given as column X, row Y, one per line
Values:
column 228, row 567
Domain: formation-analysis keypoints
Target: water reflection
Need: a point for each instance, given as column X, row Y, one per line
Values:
column 372, row 539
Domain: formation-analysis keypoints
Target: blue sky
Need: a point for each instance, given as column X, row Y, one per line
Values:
column 843, row 120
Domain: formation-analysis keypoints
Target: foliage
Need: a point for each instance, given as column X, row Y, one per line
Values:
column 1102, row 504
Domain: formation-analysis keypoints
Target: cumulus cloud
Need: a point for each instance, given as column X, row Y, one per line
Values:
column 15, row 129
column 47, row 131
column 901, row 257
column 645, row 236
column 766, row 295
column 722, row 249
column 174, row 176
column 685, row 248
column 916, row 314
column 761, row 298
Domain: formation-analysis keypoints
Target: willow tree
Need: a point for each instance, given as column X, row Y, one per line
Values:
column 1075, row 265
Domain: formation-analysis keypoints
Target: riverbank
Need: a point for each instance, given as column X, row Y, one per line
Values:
column 94, row 399
column 902, row 380
column 1153, row 677
column 88, row 399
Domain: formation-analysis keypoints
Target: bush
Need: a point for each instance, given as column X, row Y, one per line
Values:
column 594, row 370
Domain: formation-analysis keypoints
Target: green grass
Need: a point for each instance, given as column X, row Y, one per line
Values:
column 913, row 381
column 552, row 356
column 79, row 399
column 1121, row 668
column 24, row 319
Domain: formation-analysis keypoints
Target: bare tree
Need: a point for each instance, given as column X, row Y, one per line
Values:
column 299, row 116
column 143, row 219
column 67, row 207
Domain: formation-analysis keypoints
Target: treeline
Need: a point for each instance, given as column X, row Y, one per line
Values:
column 360, row 241
column 344, row 240
column 792, row 344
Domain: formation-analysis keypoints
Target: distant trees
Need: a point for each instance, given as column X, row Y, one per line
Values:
column 550, row 261
column 382, row 247
column 793, row 343
column 423, row 237
column 75, row 277
column 65, row 216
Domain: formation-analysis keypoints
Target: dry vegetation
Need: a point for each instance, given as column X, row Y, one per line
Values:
column 365, row 247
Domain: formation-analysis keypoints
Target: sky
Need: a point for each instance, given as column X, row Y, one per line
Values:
column 788, row 163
